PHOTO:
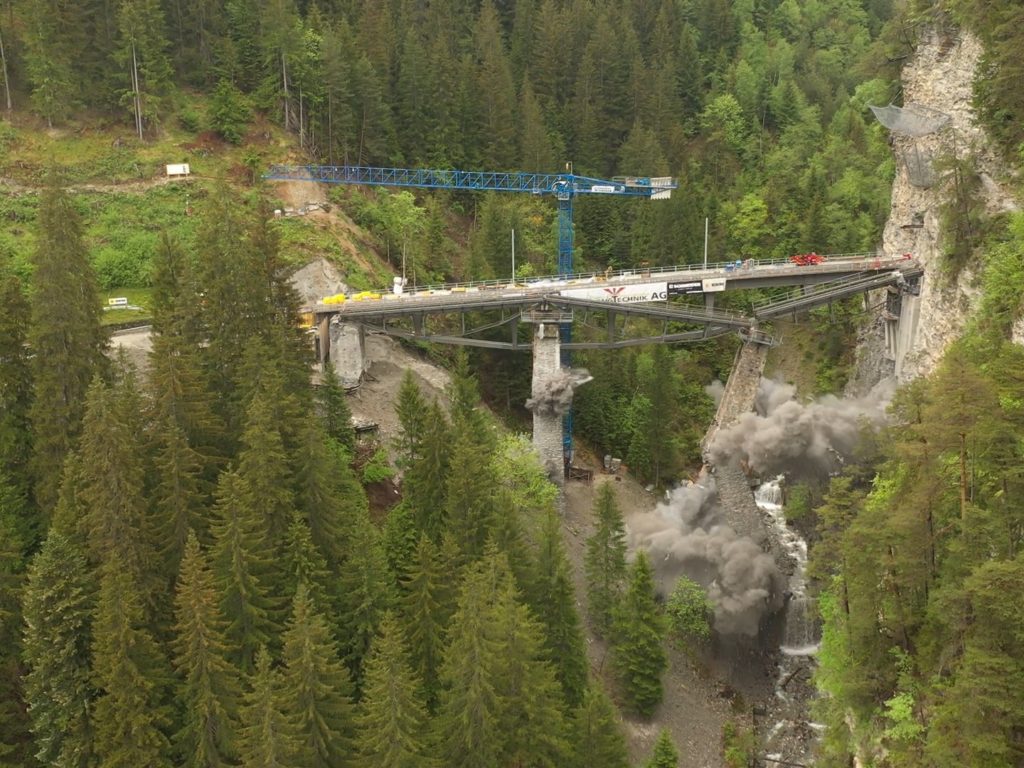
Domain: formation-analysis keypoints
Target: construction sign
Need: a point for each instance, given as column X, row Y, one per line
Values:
column 620, row 294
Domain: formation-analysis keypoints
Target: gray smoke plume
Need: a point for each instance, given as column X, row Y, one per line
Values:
column 715, row 390
column 553, row 395
column 687, row 535
column 785, row 435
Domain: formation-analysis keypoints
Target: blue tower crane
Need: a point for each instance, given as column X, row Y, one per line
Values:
column 564, row 186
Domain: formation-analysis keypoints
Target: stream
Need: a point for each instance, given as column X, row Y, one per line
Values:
column 790, row 735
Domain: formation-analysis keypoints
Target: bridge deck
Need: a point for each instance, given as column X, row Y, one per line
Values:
column 495, row 294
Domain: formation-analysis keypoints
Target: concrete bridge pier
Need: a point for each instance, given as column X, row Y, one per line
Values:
column 547, row 424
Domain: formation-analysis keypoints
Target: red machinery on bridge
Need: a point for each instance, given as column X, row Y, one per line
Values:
column 806, row 259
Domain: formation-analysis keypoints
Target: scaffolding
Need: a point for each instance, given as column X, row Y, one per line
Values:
column 915, row 121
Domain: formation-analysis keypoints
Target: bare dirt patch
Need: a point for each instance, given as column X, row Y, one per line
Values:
column 696, row 706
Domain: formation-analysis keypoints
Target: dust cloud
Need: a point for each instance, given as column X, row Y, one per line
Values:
column 553, row 395
column 787, row 436
column 687, row 535
column 715, row 390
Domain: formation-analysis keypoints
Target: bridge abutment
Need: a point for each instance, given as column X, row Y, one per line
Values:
column 347, row 351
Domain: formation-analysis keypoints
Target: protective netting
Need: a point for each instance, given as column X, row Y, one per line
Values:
column 914, row 120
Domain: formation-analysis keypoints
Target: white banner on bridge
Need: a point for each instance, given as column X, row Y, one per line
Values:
column 713, row 284
column 620, row 294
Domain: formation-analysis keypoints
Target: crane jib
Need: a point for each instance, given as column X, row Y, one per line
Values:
column 558, row 184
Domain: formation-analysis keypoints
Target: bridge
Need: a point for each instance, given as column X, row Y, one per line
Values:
column 677, row 301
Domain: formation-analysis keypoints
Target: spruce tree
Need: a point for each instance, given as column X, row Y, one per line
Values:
column 467, row 719
column 638, row 651
column 424, row 484
column 15, row 385
column 392, row 729
column 177, row 498
column 208, row 689
column 317, row 689
column 530, row 722
column 65, row 336
column 129, row 670
column 306, row 564
column 596, row 734
column 112, row 486
column 268, row 737
column 470, row 489
column 427, row 604
column 58, row 606
column 263, row 470
column 366, row 590
column 605, row 560
column 241, row 559
column 555, row 607
column 332, row 406
column 411, row 408
column 15, row 738
column 665, row 754
column 143, row 54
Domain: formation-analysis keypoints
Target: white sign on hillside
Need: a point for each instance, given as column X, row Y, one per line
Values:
column 178, row 169
column 620, row 294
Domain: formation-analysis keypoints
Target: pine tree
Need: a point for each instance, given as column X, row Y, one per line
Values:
column 143, row 53
column 58, row 606
column 263, row 470
column 177, row 498
column 49, row 60
column 467, row 714
column 366, row 590
column 334, row 411
column 605, row 560
column 208, row 690
column 470, row 491
column 393, row 722
column 130, row 672
column 15, row 384
column 306, row 564
column 555, row 607
column 596, row 736
column 15, row 737
column 638, row 653
column 426, row 609
column 665, row 754
column 240, row 562
column 411, row 408
column 65, row 336
column 112, row 486
column 424, row 483
column 317, row 688
column 530, row 724
column 268, row 737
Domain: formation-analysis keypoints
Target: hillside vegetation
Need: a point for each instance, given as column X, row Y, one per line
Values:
column 189, row 573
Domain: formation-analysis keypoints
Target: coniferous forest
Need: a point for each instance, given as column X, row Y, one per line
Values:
column 191, row 573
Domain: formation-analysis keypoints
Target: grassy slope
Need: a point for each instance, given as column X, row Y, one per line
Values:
column 126, row 201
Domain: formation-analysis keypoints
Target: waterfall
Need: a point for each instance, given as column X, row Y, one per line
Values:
column 792, row 735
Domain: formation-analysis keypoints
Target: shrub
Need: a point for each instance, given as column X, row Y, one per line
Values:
column 378, row 468
column 690, row 610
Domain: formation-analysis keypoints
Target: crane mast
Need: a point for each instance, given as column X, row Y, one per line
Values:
column 565, row 187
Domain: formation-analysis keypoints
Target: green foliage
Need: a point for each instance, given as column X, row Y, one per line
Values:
column 317, row 688
column 208, row 689
column 738, row 745
column 229, row 113
column 378, row 468
column 65, row 335
column 638, row 653
column 268, row 736
column 58, row 606
column 605, row 561
column 393, row 722
column 596, row 735
column 665, row 754
column 690, row 610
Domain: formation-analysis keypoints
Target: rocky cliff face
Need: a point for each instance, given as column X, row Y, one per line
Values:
column 938, row 77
